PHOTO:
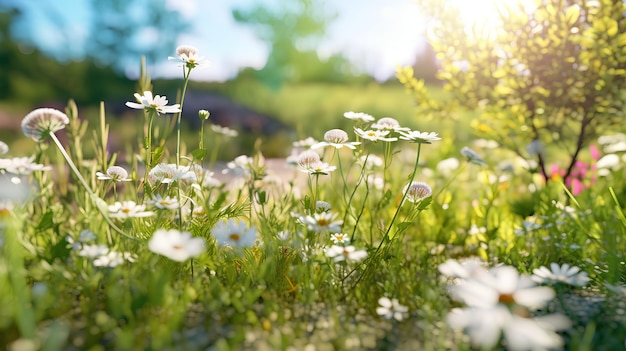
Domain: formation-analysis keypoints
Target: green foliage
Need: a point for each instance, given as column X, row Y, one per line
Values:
column 554, row 72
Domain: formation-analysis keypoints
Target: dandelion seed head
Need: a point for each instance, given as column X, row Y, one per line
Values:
column 41, row 122
column 186, row 50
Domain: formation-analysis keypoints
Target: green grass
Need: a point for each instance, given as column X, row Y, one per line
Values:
column 285, row 292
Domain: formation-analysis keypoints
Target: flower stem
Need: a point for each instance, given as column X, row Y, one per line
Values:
column 395, row 215
column 93, row 196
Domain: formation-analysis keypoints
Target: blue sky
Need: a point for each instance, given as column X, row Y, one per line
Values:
column 376, row 35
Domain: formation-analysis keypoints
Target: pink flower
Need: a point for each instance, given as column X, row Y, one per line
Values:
column 595, row 153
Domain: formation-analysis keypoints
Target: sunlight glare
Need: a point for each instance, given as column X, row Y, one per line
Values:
column 481, row 17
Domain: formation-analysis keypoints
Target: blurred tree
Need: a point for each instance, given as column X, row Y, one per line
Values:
column 554, row 74
column 425, row 66
column 124, row 30
column 293, row 30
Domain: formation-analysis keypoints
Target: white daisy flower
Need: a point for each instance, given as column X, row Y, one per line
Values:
column 374, row 134
column 359, row 116
column 21, row 166
column 188, row 56
column 464, row 269
column 388, row 123
column 128, row 209
column 170, row 173
column 485, row 326
column 241, row 166
column 176, row 245
column 391, row 309
column 336, row 138
column 340, row 239
column 419, row 137
column 560, row 274
column 341, row 253
column 322, row 221
column 305, row 143
column 113, row 259
column 157, row 103
column 93, row 251
column 234, row 234
column 164, row 203
column 225, row 131
column 114, row 173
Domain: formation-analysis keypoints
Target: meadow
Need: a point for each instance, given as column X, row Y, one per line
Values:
column 387, row 232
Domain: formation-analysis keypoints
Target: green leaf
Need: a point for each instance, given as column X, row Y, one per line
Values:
column 46, row 221
column 199, row 154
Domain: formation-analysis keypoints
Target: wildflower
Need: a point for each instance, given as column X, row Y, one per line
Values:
column 336, row 138
column 304, row 143
column 176, row 245
column 448, row 165
column 85, row 236
column 21, row 166
column 391, row 309
column 6, row 208
column 113, row 259
column 128, row 209
column 188, row 56
column 359, row 116
column 345, row 253
column 484, row 327
column 170, row 173
column 340, row 238
column 499, row 300
column 204, row 114
column 535, row 148
column 309, row 162
column 114, row 173
column 241, row 166
column 93, row 251
column 560, row 274
column 377, row 182
column 371, row 161
column 472, row 156
column 464, row 269
column 4, row 148
column 322, row 206
column 156, row 104
column 225, row 131
column 474, row 229
column 308, row 159
column 374, row 134
column 502, row 285
column 419, row 137
column 609, row 161
column 164, row 203
column 234, row 234
column 41, row 122
column 322, row 221
column 388, row 123
column 417, row 191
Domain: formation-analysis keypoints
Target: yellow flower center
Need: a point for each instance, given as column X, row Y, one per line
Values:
column 371, row 133
column 234, row 237
column 506, row 299
column 322, row 222
column 126, row 210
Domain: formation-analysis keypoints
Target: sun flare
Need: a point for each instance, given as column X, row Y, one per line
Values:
column 482, row 17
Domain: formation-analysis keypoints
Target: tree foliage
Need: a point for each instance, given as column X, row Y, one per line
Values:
column 293, row 31
column 122, row 31
column 555, row 73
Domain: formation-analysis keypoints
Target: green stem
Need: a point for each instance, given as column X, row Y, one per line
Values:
column 93, row 196
column 180, row 114
column 395, row 215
